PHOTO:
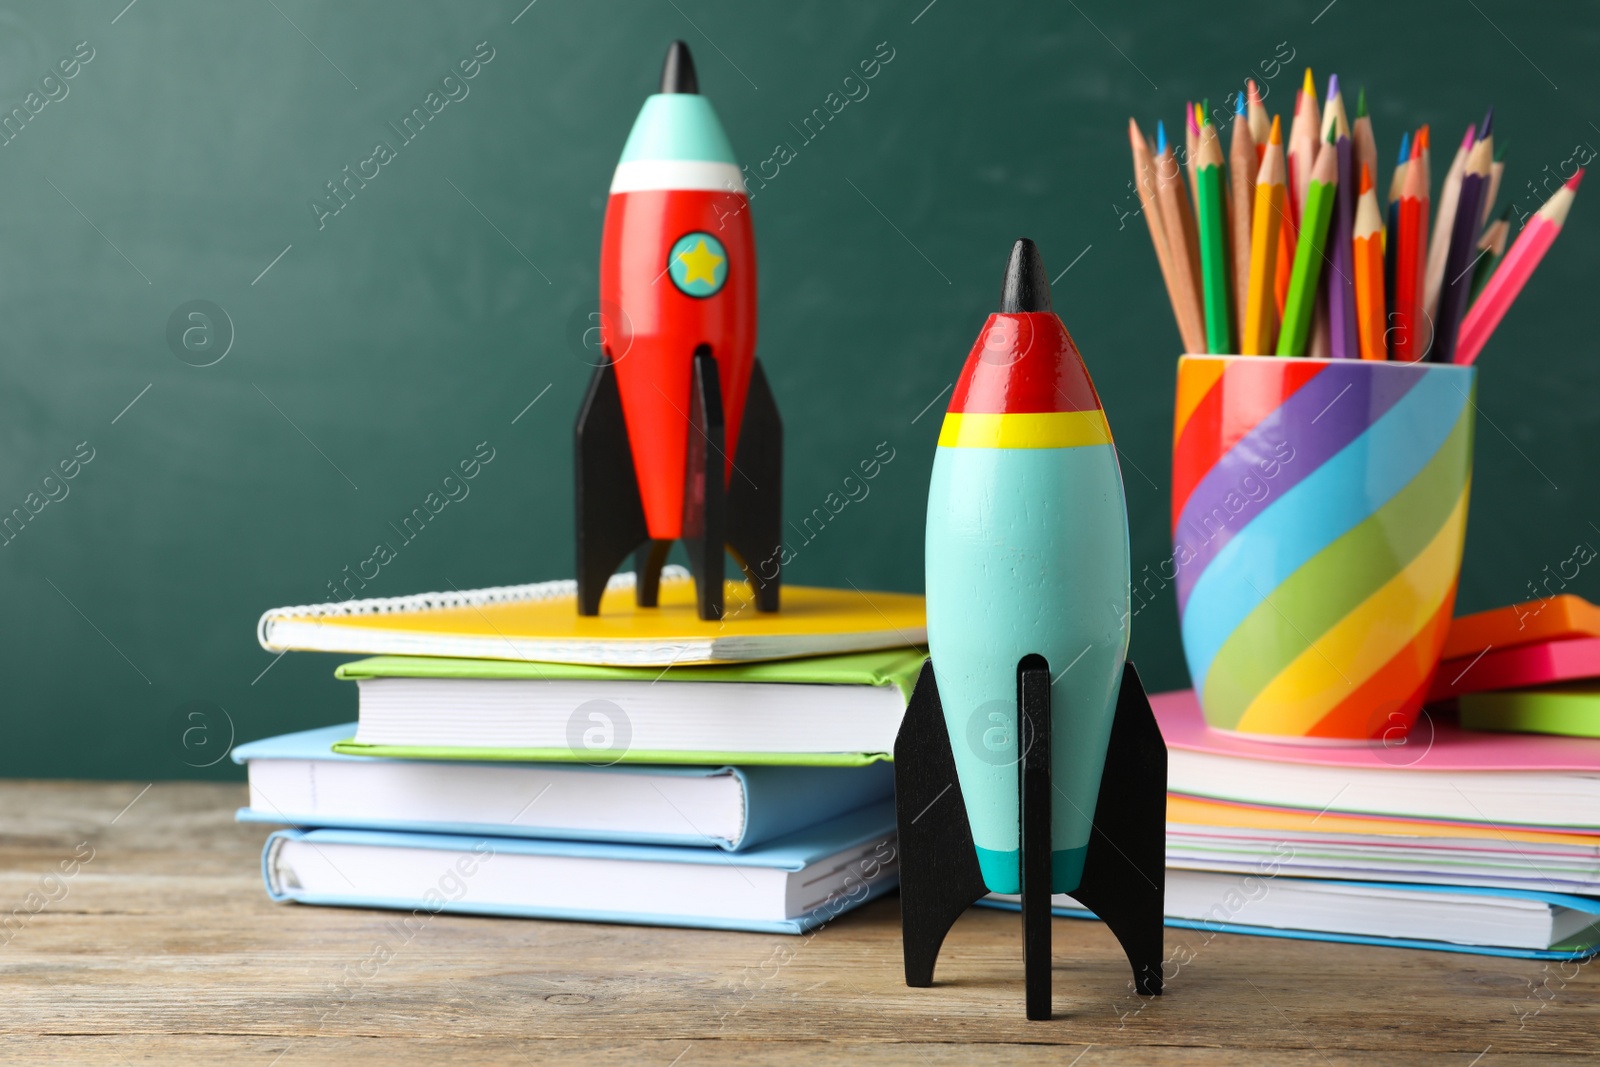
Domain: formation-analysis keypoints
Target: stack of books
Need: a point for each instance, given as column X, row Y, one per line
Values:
column 1526, row 668
column 641, row 766
column 1448, row 839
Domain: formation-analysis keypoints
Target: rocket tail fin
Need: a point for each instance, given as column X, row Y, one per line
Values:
column 610, row 514
column 939, row 875
column 1034, row 801
column 705, row 495
column 755, row 494
column 647, row 564
column 1124, row 872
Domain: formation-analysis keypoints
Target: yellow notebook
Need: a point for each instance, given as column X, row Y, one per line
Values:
column 540, row 622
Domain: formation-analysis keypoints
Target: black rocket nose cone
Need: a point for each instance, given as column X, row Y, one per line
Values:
column 677, row 73
column 1026, row 288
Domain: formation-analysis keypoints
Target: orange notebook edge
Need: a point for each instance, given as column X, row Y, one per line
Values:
column 1557, row 618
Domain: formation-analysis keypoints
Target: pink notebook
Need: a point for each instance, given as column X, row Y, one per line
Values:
column 1440, row 773
column 1544, row 663
column 1451, row 748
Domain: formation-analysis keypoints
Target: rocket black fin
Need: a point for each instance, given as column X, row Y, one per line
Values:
column 1124, row 873
column 755, row 493
column 647, row 564
column 705, row 489
column 939, row 875
column 1034, row 801
column 610, row 514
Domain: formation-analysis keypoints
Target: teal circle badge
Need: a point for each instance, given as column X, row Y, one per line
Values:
column 698, row 265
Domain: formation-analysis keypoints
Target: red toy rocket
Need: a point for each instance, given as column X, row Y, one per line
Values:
column 678, row 437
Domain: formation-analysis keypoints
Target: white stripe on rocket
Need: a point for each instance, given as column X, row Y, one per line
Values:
column 643, row 175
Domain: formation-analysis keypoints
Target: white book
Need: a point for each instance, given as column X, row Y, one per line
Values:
column 834, row 710
column 1373, row 912
column 788, row 886
column 1491, row 862
column 297, row 780
column 695, row 717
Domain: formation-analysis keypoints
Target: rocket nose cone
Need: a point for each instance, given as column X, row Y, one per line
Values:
column 1026, row 287
column 677, row 73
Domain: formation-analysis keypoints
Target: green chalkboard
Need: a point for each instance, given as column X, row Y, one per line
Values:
column 371, row 322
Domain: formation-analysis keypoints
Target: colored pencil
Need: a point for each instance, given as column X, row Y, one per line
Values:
column 1456, row 288
column 1339, row 280
column 1260, row 124
column 1259, row 325
column 1243, row 163
column 1191, row 139
column 1367, row 253
column 1392, row 216
column 1319, row 345
column 1493, row 245
column 1182, row 234
column 1308, row 253
column 1410, row 339
column 1303, row 145
column 1515, row 270
column 1180, row 292
column 1361, row 137
column 1496, row 172
column 1286, row 241
column 1444, row 225
column 1213, row 222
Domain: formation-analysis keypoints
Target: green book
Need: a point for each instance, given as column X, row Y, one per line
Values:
column 819, row 711
column 1570, row 710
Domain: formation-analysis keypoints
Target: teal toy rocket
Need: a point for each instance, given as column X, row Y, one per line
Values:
column 1028, row 616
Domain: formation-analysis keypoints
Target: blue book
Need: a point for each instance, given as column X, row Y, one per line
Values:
column 787, row 886
column 297, row 780
column 1528, row 924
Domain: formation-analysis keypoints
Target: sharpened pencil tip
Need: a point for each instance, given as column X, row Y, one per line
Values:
column 1026, row 287
column 1310, row 86
column 1333, row 87
column 1253, row 90
column 1161, row 137
column 1486, row 127
column 1361, row 102
column 1405, row 145
column 1572, row 182
column 1276, row 136
column 1238, row 105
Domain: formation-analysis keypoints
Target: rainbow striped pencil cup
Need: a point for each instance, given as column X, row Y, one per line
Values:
column 1319, row 508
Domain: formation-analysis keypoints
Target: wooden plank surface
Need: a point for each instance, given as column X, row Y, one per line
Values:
column 161, row 947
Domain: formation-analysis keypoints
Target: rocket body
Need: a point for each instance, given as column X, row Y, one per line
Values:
column 1027, row 553
column 677, row 270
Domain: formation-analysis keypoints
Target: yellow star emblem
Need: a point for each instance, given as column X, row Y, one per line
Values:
column 700, row 264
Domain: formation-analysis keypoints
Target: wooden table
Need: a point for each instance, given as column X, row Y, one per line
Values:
column 163, row 948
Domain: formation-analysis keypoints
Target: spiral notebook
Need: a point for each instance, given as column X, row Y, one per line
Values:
column 540, row 623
